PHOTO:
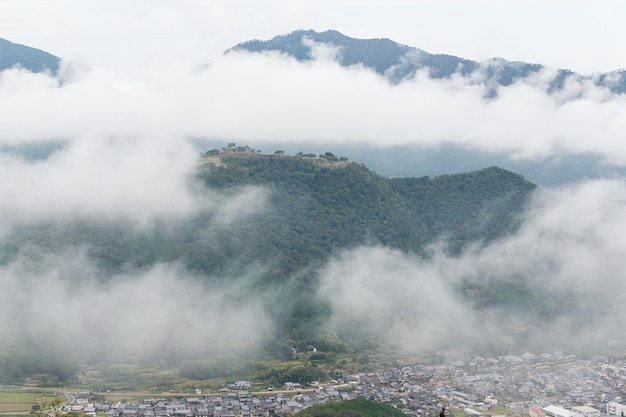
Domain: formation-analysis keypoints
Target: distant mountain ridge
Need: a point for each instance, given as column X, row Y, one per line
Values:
column 32, row 59
column 399, row 62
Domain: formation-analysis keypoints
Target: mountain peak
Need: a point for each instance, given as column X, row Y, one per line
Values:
column 398, row 62
column 377, row 54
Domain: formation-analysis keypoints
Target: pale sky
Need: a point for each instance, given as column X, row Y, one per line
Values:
column 584, row 36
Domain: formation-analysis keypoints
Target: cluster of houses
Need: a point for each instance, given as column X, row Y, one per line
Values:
column 548, row 385
column 227, row 403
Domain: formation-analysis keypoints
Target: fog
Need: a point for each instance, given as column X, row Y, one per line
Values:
column 160, row 312
column 256, row 98
column 127, row 154
column 568, row 250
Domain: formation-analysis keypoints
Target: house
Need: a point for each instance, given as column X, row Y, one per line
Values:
column 89, row 411
column 246, row 385
column 536, row 412
column 615, row 409
column 585, row 411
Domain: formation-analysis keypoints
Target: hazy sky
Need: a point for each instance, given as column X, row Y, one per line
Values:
column 581, row 35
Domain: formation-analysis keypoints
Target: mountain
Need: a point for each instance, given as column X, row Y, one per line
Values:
column 318, row 206
column 302, row 210
column 35, row 60
column 399, row 62
column 321, row 209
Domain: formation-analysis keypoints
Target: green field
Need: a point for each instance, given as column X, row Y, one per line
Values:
column 13, row 400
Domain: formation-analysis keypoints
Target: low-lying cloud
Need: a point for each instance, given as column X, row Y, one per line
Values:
column 160, row 312
column 126, row 133
column 254, row 98
column 568, row 253
column 127, row 154
column 100, row 178
column 390, row 294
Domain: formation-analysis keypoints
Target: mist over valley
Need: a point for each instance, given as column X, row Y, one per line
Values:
column 403, row 204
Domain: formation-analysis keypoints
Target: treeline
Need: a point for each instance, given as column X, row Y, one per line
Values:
column 18, row 360
column 216, row 367
column 477, row 206
column 359, row 407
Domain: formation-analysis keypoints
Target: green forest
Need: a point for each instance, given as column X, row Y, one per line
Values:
column 313, row 208
column 358, row 407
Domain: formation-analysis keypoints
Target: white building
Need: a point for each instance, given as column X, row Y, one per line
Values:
column 554, row 411
column 585, row 411
column 615, row 409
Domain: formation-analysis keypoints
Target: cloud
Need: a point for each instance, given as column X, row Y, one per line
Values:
column 59, row 300
column 567, row 255
column 100, row 178
column 390, row 294
column 126, row 153
column 247, row 202
column 258, row 98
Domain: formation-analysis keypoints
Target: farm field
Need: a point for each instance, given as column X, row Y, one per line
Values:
column 22, row 400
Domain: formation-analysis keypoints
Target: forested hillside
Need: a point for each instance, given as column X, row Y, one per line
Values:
column 292, row 214
column 354, row 408
column 321, row 209
column 311, row 211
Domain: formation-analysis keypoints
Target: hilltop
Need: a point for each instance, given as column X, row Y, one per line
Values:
column 215, row 157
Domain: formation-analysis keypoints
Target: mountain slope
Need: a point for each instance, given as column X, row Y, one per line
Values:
column 378, row 54
column 347, row 204
column 301, row 211
column 399, row 62
column 32, row 59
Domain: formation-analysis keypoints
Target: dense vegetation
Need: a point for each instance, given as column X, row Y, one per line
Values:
column 311, row 208
column 311, row 212
column 359, row 407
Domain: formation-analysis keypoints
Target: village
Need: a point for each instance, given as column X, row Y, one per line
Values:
column 554, row 385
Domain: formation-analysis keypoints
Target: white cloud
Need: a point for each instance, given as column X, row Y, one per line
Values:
column 257, row 98
column 396, row 296
column 164, row 310
column 103, row 178
column 127, row 154
column 568, row 253
column 126, row 131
